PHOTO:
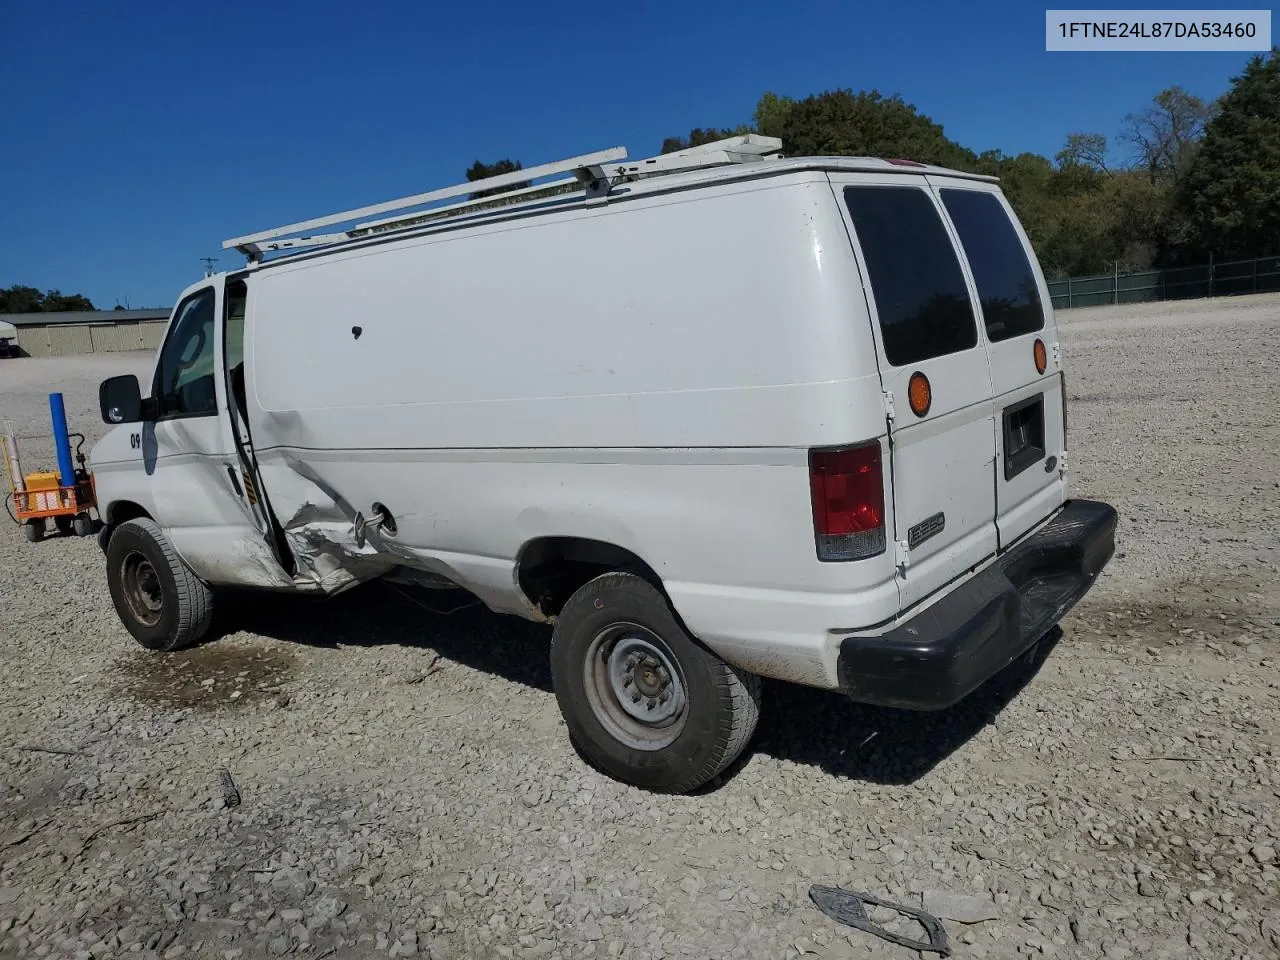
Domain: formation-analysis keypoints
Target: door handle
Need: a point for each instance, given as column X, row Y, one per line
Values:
column 235, row 483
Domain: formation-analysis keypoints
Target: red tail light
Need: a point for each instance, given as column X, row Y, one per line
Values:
column 848, row 502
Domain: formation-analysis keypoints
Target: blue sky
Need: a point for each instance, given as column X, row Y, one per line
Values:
column 139, row 135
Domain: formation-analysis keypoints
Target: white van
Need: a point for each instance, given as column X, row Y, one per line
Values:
column 716, row 415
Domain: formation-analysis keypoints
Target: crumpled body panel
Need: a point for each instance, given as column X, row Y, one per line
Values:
column 318, row 526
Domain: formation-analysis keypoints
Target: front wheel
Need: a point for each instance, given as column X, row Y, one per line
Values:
column 33, row 530
column 643, row 700
column 159, row 600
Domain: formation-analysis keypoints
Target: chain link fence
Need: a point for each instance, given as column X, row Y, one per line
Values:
column 1174, row 283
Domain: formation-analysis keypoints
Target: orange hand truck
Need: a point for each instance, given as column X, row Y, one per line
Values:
column 37, row 498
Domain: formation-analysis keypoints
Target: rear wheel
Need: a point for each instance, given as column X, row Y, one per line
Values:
column 83, row 525
column 643, row 700
column 64, row 524
column 33, row 530
column 159, row 600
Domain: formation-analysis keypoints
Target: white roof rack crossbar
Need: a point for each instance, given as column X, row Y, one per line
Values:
column 747, row 144
column 743, row 149
column 596, row 172
column 550, row 186
column 369, row 227
column 584, row 162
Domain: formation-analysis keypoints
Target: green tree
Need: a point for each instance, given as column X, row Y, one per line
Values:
column 55, row 301
column 1081, row 214
column 844, row 123
column 1166, row 135
column 1114, row 220
column 771, row 114
column 482, row 171
column 1228, row 203
column 22, row 299
column 699, row 136
column 1088, row 208
column 1087, row 150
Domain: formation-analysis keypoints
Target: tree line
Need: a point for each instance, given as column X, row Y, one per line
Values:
column 1188, row 181
column 20, row 299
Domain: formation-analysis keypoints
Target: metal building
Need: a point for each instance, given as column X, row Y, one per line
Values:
column 87, row 331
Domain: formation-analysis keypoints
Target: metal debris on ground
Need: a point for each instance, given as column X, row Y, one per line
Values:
column 433, row 666
column 225, row 788
column 33, row 748
column 126, row 822
column 850, row 908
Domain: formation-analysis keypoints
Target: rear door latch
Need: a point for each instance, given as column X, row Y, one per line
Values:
column 902, row 556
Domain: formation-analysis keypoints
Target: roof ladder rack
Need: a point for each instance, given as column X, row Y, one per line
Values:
column 596, row 172
column 742, row 149
column 747, row 148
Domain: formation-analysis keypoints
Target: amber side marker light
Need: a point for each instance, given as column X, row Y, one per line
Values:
column 919, row 394
column 1041, row 357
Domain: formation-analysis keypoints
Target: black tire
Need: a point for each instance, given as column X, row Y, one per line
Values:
column 159, row 600
column 64, row 524
column 620, row 612
column 33, row 530
column 82, row 526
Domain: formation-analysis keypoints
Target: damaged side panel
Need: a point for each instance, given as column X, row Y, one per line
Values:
column 245, row 561
column 318, row 526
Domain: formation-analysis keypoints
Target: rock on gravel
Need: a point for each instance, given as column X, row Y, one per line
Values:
column 328, row 908
column 293, row 884
column 962, row 908
column 1271, row 928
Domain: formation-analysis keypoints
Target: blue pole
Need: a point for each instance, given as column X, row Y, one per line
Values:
column 61, row 442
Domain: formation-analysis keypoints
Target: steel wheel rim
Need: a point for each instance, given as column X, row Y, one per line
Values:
column 635, row 686
column 142, row 591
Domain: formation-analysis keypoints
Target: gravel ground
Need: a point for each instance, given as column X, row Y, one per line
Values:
column 407, row 787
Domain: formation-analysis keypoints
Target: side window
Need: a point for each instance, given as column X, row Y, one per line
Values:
column 915, row 275
column 184, row 381
column 1006, row 283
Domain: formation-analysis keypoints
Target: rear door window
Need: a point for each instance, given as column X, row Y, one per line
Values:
column 915, row 276
column 1006, row 284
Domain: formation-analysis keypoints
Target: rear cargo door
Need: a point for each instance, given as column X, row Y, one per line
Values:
column 1030, row 469
column 926, row 328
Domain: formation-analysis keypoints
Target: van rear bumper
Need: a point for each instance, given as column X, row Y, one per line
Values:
column 955, row 645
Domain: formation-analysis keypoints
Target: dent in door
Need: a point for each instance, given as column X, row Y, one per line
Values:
column 318, row 525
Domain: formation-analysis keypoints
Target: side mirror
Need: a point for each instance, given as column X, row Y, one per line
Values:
column 120, row 400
